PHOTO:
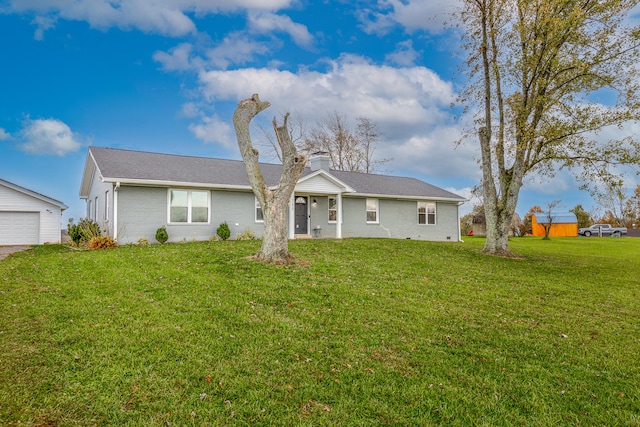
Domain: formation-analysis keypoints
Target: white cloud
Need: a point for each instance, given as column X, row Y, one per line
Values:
column 48, row 136
column 4, row 135
column 236, row 48
column 214, row 130
column 167, row 17
column 405, row 55
column 43, row 23
column 410, row 106
column 267, row 22
column 428, row 15
column 179, row 58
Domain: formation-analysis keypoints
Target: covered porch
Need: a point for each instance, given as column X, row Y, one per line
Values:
column 316, row 208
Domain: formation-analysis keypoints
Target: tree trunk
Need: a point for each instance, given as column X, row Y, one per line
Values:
column 275, row 247
column 497, row 242
column 274, row 201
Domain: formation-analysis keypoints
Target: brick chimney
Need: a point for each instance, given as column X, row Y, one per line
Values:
column 319, row 160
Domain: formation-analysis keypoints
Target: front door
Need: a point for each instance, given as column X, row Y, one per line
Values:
column 302, row 215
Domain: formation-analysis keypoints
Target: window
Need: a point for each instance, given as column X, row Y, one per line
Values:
column 372, row 210
column 95, row 210
column 333, row 209
column 426, row 213
column 259, row 216
column 88, row 209
column 106, row 205
column 188, row 206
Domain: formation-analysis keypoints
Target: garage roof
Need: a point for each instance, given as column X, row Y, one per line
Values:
column 32, row 193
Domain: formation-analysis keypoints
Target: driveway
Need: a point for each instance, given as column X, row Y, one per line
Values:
column 5, row 251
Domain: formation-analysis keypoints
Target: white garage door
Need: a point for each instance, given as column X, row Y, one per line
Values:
column 19, row 228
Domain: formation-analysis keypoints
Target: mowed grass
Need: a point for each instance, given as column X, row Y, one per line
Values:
column 366, row 332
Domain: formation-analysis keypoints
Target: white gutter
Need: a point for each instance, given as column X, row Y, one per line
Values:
column 174, row 184
column 115, row 210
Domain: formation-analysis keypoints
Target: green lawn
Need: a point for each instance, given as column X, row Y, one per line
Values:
column 367, row 332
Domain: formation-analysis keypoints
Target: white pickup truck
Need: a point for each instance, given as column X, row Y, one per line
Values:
column 602, row 230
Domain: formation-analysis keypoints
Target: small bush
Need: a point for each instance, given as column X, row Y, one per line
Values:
column 161, row 234
column 247, row 234
column 223, row 231
column 101, row 242
column 83, row 231
column 143, row 241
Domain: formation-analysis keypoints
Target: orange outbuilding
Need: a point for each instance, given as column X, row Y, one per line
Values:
column 562, row 224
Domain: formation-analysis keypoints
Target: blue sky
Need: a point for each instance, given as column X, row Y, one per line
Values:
column 165, row 76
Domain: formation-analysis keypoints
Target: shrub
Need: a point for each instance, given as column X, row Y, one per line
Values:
column 143, row 241
column 101, row 242
column 223, row 231
column 161, row 234
column 83, row 231
column 248, row 234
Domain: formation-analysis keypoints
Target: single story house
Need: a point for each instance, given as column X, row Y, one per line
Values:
column 133, row 193
column 563, row 224
column 27, row 217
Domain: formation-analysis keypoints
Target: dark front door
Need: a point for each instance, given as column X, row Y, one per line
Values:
column 301, row 215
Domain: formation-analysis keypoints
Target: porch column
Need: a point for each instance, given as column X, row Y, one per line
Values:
column 339, row 216
column 292, row 216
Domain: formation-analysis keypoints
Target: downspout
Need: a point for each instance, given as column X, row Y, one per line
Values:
column 115, row 210
column 459, row 228
column 339, row 216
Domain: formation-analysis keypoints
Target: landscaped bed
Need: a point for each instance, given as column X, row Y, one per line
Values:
column 363, row 332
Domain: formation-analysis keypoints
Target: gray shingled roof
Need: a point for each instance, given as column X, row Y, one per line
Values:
column 123, row 165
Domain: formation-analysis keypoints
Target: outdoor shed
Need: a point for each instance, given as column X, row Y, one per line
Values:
column 562, row 224
column 27, row 217
column 479, row 225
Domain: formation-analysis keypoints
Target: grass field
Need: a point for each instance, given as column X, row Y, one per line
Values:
column 366, row 332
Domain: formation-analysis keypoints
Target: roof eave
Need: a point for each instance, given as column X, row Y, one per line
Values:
column 403, row 197
column 162, row 183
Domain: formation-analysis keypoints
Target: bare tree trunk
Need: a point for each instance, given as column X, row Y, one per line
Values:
column 274, row 201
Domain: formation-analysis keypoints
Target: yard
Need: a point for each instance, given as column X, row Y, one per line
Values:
column 364, row 332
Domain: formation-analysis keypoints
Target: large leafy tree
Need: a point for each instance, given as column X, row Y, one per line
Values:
column 537, row 69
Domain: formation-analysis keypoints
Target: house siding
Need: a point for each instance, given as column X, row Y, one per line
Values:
column 397, row 219
column 49, row 214
column 142, row 210
column 237, row 209
column 98, row 189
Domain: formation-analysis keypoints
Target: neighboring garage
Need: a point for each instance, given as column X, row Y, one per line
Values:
column 27, row 217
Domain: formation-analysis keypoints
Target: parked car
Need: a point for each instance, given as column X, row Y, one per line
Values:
column 602, row 230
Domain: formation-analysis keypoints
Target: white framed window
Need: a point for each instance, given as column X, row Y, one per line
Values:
column 372, row 211
column 426, row 213
column 95, row 210
column 106, row 205
column 333, row 209
column 88, row 209
column 259, row 215
column 188, row 206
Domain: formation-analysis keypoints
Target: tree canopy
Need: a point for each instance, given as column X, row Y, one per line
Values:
column 544, row 77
